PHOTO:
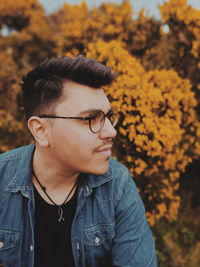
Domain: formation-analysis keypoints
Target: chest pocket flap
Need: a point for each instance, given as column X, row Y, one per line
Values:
column 8, row 239
column 96, row 235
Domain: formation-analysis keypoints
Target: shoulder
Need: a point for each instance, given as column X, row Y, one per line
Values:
column 14, row 162
column 15, row 154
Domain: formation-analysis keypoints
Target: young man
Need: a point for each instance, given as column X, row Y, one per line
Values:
column 63, row 200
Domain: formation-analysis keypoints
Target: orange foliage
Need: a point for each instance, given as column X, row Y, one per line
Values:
column 10, row 125
column 180, row 11
column 157, row 108
column 22, row 14
column 75, row 25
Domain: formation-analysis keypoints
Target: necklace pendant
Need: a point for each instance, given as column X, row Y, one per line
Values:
column 60, row 214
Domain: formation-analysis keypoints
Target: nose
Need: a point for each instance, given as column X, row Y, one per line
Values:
column 108, row 131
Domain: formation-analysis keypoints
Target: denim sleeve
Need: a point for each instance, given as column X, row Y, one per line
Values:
column 133, row 245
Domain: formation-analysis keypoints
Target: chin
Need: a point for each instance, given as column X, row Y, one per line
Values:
column 101, row 169
column 97, row 166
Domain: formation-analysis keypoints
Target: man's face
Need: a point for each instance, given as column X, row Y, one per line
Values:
column 73, row 146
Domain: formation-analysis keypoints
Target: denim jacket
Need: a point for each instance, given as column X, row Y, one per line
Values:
column 109, row 227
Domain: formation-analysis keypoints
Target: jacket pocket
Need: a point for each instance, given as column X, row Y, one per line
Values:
column 8, row 239
column 97, row 234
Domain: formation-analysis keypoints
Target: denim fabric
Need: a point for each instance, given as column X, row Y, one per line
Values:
column 109, row 228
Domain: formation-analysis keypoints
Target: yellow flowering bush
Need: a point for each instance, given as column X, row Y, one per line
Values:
column 11, row 127
column 23, row 15
column 155, row 135
column 29, row 35
column 76, row 25
column 179, row 15
column 184, row 23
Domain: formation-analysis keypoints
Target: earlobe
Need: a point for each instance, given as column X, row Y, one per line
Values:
column 38, row 129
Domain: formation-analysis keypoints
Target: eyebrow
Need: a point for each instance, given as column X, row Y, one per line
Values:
column 91, row 110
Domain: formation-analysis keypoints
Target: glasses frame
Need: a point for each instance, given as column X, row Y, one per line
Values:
column 89, row 119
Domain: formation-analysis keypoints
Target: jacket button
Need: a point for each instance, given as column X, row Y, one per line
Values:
column 97, row 240
column 1, row 244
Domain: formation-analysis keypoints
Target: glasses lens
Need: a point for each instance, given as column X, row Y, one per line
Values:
column 97, row 122
column 112, row 115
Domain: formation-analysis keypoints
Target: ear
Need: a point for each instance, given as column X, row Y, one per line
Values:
column 39, row 129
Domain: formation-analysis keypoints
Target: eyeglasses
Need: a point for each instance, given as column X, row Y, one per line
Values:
column 96, row 121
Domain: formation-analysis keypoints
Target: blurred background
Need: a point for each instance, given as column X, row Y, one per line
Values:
column 154, row 47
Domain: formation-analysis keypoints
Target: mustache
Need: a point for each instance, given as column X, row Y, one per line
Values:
column 106, row 143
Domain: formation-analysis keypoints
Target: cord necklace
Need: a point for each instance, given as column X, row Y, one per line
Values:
column 60, row 209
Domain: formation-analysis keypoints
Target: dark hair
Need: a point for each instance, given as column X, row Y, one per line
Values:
column 42, row 86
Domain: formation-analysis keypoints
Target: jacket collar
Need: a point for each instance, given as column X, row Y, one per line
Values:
column 93, row 181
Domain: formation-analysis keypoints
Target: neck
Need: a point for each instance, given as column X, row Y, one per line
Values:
column 49, row 174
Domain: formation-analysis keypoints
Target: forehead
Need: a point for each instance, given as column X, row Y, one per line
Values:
column 77, row 98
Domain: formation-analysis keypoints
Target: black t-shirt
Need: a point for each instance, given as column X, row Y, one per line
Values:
column 53, row 238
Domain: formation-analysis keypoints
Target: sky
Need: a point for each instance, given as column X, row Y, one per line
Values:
column 151, row 6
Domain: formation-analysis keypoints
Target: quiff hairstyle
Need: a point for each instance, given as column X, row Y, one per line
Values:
column 42, row 86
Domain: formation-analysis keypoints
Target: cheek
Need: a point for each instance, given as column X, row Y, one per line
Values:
column 78, row 142
column 76, row 150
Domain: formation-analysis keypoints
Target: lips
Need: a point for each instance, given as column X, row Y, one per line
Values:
column 105, row 151
column 108, row 148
